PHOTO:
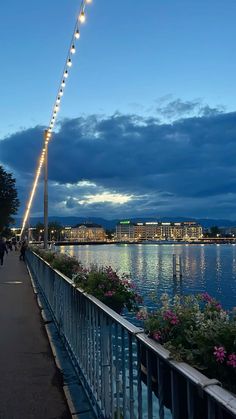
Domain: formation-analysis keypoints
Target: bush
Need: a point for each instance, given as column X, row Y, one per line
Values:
column 65, row 264
column 197, row 330
column 47, row 255
column 104, row 284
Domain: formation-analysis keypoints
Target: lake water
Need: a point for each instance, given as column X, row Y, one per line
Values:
column 210, row 268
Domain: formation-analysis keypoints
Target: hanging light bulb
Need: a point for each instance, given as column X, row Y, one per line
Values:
column 88, row 1
column 69, row 62
column 72, row 50
column 61, row 92
column 77, row 34
column 82, row 17
column 63, row 83
column 66, row 74
column 58, row 100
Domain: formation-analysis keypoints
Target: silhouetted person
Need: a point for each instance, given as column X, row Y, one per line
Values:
column 22, row 250
column 14, row 243
column 9, row 245
column 3, row 249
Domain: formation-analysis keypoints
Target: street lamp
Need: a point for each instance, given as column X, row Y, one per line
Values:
column 46, row 136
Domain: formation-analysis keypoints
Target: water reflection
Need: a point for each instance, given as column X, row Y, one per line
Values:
column 205, row 268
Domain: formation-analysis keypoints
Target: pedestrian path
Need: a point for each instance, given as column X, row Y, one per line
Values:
column 31, row 385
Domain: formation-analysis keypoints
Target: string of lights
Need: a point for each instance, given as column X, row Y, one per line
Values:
column 81, row 18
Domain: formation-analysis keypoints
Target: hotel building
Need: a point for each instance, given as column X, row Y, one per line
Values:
column 153, row 230
column 86, row 233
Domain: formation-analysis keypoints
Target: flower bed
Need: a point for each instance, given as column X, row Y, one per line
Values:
column 196, row 329
column 103, row 283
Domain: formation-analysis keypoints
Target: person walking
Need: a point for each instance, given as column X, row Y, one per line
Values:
column 3, row 249
column 23, row 250
column 14, row 243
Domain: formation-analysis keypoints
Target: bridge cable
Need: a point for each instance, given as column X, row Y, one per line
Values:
column 49, row 131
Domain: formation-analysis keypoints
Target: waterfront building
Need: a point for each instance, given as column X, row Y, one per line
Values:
column 127, row 230
column 86, row 233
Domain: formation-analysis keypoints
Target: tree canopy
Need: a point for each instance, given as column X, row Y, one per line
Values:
column 9, row 202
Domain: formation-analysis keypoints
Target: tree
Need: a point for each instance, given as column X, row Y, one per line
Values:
column 214, row 231
column 9, row 202
column 39, row 231
column 54, row 230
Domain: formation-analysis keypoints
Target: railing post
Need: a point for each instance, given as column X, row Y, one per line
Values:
column 106, row 365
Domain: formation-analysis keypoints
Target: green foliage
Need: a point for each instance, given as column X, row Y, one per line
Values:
column 65, row 264
column 197, row 330
column 8, row 198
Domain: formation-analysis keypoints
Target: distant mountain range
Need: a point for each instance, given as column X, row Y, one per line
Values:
column 110, row 224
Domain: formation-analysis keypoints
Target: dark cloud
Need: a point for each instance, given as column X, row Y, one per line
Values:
column 178, row 108
column 183, row 167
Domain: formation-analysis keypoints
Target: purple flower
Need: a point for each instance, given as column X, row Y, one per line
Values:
column 232, row 360
column 156, row 335
column 219, row 353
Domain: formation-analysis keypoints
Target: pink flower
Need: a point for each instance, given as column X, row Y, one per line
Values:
column 142, row 315
column 157, row 335
column 171, row 317
column 167, row 315
column 218, row 306
column 219, row 353
column 232, row 360
column 109, row 293
column 174, row 320
column 125, row 282
column 206, row 297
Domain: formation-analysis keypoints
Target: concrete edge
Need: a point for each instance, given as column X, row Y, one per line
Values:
column 73, row 409
column 66, row 388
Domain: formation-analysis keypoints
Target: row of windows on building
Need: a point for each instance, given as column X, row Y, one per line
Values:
column 128, row 231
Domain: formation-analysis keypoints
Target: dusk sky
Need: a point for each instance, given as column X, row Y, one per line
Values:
column 147, row 125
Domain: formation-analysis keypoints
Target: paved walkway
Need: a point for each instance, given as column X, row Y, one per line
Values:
column 30, row 384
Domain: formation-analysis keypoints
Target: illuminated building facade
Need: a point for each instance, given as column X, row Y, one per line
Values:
column 154, row 230
column 86, row 233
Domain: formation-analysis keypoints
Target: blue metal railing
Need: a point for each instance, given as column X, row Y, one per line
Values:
column 126, row 374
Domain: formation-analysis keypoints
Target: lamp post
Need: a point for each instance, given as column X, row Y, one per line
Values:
column 46, row 190
column 40, row 235
column 51, row 235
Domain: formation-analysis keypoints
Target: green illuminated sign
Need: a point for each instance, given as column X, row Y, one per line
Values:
column 125, row 222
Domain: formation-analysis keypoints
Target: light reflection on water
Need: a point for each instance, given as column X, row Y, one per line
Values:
column 205, row 268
